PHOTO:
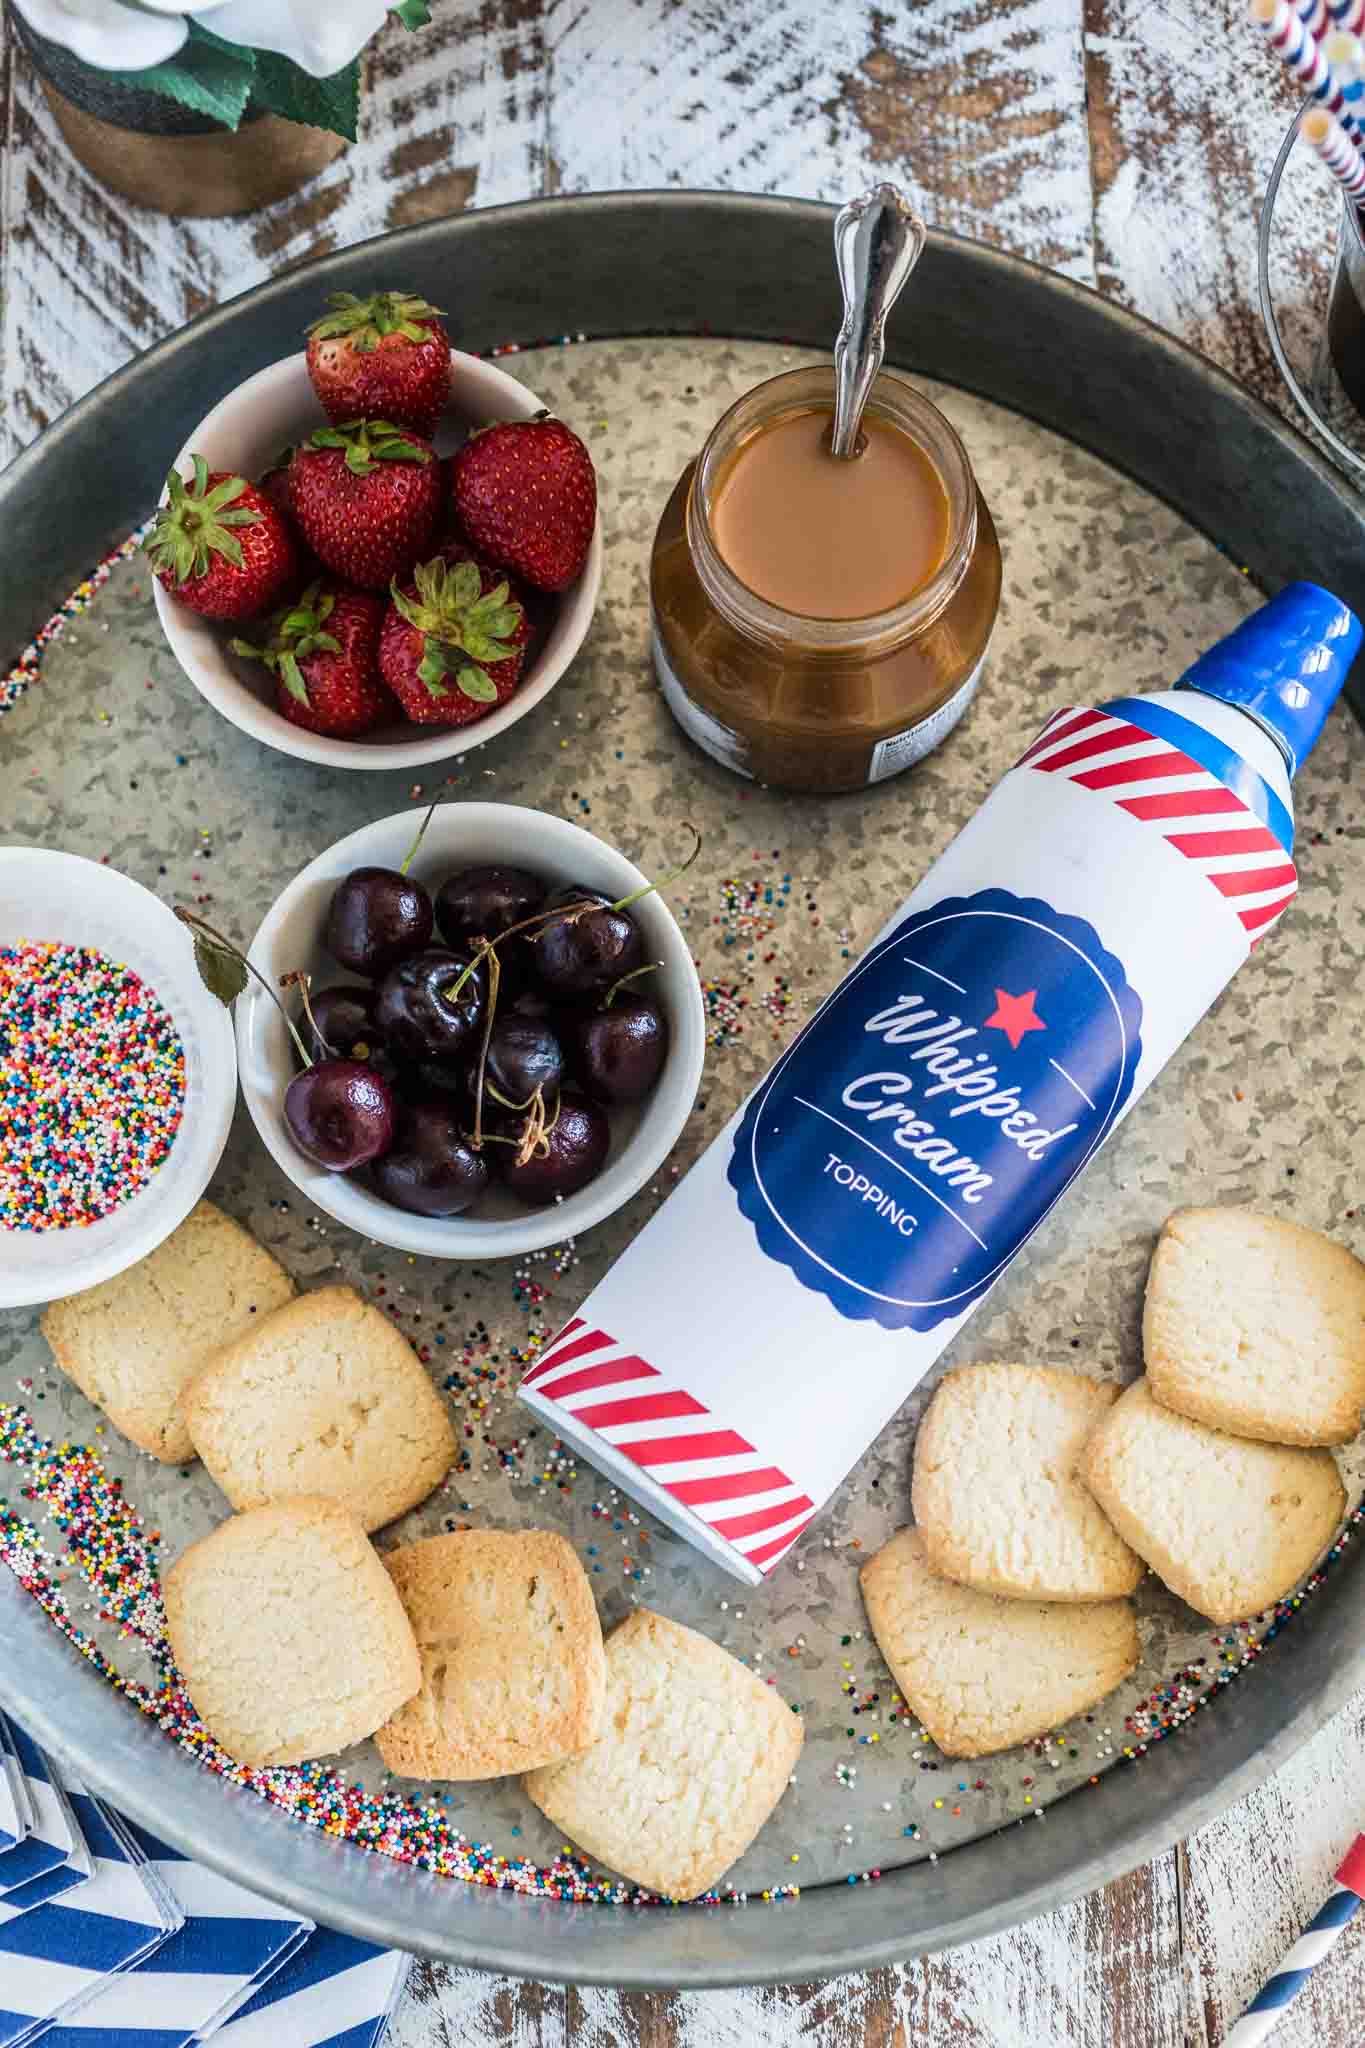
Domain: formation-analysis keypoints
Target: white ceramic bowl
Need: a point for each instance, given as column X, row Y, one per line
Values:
column 465, row 835
column 247, row 432
column 79, row 902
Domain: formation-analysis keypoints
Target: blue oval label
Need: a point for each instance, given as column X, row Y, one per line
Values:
column 931, row 1113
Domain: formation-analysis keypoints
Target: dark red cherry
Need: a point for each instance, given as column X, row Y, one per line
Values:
column 340, row 1113
column 376, row 918
column 583, row 953
column 481, row 903
column 418, row 1012
column 523, row 1055
column 339, row 1023
column 430, row 1168
column 619, row 1052
column 577, row 1144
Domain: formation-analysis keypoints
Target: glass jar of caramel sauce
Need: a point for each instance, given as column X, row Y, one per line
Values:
column 821, row 624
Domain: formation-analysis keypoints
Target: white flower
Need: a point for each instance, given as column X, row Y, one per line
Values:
column 320, row 35
column 107, row 34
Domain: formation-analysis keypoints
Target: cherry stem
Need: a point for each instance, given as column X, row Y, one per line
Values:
column 650, row 967
column 303, row 982
column 201, row 924
column 665, row 881
column 421, row 835
column 570, row 913
column 494, row 976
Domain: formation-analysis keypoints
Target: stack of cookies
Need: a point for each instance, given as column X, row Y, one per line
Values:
column 1040, row 1496
column 469, row 1655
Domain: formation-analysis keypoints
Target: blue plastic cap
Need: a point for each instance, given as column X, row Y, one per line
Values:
column 1284, row 665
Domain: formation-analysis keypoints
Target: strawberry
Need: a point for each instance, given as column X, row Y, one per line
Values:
column 454, row 640
column 324, row 654
column 386, row 357
column 525, row 493
column 365, row 497
column 219, row 545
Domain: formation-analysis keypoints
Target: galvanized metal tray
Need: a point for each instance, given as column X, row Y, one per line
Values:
column 1124, row 553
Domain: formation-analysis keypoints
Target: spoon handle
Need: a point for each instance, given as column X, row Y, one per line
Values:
column 878, row 240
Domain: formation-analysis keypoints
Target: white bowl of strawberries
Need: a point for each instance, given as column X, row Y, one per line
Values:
column 354, row 566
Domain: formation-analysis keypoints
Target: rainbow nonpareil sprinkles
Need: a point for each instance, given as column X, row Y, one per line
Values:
column 118, row 1560
column 92, row 1085
column 29, row 665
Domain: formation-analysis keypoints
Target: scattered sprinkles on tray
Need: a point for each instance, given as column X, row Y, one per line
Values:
column 28, row 667
column 92, row 1085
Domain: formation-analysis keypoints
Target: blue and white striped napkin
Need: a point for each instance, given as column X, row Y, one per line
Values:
column 54, row 1841
column 336, row 1993
column 56, row 1958
column 16, row 1813
column 230, row 1943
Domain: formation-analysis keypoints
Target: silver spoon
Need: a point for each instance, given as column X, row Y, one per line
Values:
column 878, row 241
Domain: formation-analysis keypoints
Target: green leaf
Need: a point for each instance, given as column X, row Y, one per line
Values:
column 292, row 676
column 207, row 75
column 412, row 13
column 474, row 683
column 222, row 971
column 468, row 583
column 319, row 102
column 432, row 669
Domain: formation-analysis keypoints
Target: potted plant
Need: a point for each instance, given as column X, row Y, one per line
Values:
column 203, row 106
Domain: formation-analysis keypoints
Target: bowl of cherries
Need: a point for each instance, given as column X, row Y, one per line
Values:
column 472, row 1039
column 380, row 551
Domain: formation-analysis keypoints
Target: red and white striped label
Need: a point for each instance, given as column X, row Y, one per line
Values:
column 716, row 1473
column 1189, row 806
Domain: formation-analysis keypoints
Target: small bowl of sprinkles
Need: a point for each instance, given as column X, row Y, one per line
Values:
column 118, row 1074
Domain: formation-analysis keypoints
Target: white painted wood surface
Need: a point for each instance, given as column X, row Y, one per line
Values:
column 1123, row 141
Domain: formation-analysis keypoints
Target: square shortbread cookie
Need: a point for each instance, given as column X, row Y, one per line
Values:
column 997, row 1496
column 694, row 1755
column 513, row 1674
column 984, row 1673
column 325, row 1397
column 134, row 1343
column 1255, row 1325
column 288, row 1633
column 1229, row 1524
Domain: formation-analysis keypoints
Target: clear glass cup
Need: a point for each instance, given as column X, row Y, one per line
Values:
column 1330, row 389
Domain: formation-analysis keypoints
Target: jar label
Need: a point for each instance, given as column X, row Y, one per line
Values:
column 719, row 741
column 931, row 1113
column 903, row 749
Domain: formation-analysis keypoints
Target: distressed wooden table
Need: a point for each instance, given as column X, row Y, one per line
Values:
column 1122, row 141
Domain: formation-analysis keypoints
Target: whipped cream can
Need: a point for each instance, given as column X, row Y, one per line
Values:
column 864, row 1200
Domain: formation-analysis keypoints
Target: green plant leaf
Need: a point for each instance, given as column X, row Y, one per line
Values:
column 222, row 972
column 412, row 13
column 319, row 102
column 206, row 74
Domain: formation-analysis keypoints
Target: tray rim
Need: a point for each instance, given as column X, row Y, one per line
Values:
column 986, row 1884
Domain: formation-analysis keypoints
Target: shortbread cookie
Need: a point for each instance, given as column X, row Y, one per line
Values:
column 134, row 1343
column 1228, row 1524
column 288, row 1633
column 1257, row 1326
column 983, row 1673
column 997, row 1496
column 513, row 1674
column 694, row 1755
column 325, row 1397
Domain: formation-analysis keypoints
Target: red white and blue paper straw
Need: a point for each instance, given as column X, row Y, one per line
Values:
column 1337, row 151
column 1307, row 1952
column 1301, row 54
column 1347, row 14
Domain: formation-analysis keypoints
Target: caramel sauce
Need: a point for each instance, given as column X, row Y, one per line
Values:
column 825, row 539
